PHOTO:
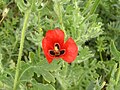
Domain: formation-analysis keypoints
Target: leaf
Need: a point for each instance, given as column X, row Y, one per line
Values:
column 7, row 79
column 62, row 80
column 40, row 86
column 114, row 51
column 54, row 66
column 22, row 5
column 36, row 38
column 26, row 72
column 112, row 82
column 48, row 76
column 31, row 56
column 84, row 54
column 91, row 86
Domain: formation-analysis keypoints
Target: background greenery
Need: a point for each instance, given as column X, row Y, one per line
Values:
column 93, row 24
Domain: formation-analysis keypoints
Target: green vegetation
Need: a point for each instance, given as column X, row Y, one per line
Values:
column 93, row 24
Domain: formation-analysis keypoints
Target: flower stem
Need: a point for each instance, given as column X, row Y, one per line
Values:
column 101, row 56
column 21, row 49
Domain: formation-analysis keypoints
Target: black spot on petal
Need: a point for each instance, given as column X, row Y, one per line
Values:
column 62, row 52
column 52, row 52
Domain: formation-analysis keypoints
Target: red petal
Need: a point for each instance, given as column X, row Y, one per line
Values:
column 71, row 50
column 46, row 45
column 56, row 36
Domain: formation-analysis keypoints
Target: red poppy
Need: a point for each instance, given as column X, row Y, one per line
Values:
column 54, row 46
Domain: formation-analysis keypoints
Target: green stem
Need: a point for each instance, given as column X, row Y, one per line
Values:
column 95, row 5
column 86, row 7
column 21, row 49
column 101, row 56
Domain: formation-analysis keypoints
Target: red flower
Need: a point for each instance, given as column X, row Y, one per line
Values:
column 54, row 46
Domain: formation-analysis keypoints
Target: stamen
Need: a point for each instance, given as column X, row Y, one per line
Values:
column 56, row 47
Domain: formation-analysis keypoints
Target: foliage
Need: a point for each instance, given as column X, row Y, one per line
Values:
column 93, row 24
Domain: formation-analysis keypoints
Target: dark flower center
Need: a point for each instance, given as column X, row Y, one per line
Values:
column 56, row 52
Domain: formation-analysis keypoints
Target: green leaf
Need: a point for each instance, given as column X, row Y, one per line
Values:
column 24, row 5
column 85, row 54
column 36, row 38
column 112, row 82
column 27, row 71
column 31, row 56
column 54, row 66
column 91, row 86
column 114, row 51
column 40, row 86
column 48, row 76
